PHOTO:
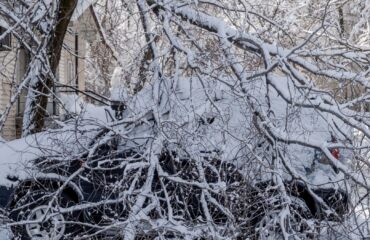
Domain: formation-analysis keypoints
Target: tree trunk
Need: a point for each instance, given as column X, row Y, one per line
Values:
column 35, row 112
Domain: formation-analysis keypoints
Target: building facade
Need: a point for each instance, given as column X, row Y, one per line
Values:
column 71, row 74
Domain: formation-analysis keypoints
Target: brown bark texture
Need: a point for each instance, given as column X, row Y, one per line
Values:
column 54, row 49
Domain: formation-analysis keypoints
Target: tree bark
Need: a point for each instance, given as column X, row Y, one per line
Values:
column 35, row 113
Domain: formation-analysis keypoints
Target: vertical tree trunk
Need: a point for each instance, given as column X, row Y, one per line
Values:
column 35, row 112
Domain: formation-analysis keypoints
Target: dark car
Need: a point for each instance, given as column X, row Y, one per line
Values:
column 85, row 195
column 59, row 186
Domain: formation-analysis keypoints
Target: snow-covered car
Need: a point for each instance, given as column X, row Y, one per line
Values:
column 151, row 172
column 57, row 198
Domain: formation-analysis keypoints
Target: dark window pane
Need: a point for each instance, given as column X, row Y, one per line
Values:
column 5, row 43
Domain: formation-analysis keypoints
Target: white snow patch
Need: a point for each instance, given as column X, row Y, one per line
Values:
column 81, row 7
column 3, row 23
column 76, row 105
column 117, row 91
column 5, row 234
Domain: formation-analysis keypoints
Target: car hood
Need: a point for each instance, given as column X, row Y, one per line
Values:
column 17, row 157
column 15, row 160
